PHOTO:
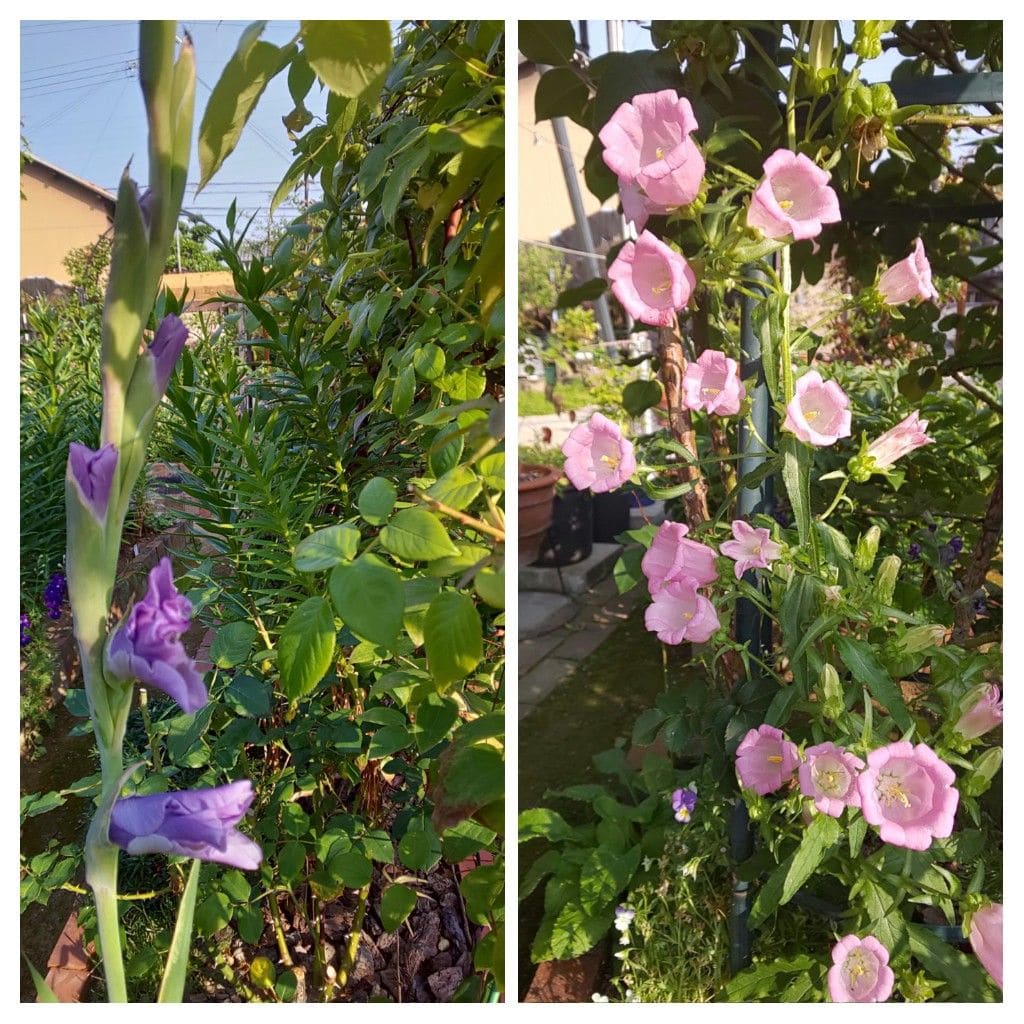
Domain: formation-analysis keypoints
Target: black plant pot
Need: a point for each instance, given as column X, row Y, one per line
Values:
column 570, row 538
column 611, row 515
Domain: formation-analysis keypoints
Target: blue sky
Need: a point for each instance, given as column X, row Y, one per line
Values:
column 81, row 108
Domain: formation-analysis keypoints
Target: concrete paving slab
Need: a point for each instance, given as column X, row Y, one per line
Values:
column 542, row 612
column 536, row 685
column 533, row 648
column 581, row 643
column 578, row 579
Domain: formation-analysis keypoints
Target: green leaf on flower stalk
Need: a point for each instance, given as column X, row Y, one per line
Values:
column 305, row 647
column 234, row 97
column 369, row 598
column 964, row 974
column 351, row 57
column 796, row 466
column 586, row 292
column 762, row 980
column 396, row 905
column 172, row 988
column 453, row 636
column 326, row 548
column 859, row 657
column 415, row 535
column 783, row 883
column 376, row 500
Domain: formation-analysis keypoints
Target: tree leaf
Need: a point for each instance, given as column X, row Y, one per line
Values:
column 415, row 535
column 370, row 600
column 640, row 395
column 351, row 57
column 326, row 548
column 232, row 644
column 453, row 636
column 376, row 500
column 234, row 97
column 547, row 42
column 305, row 647
column 560, row 93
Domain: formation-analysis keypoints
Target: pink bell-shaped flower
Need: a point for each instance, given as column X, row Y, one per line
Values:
column 766, row 760
column 911, row 278
column 678, row 613
column 794, row 198
column 860, row 971
column 712, row 383
column 673, row 556
column 636, row 207
column 908, row 435
column 597, row 456
column 986, row 938
column 983, row 710
column 819, row 413
column 651, row 280
column 908, row 792
column 829, row 777
column 647, row 141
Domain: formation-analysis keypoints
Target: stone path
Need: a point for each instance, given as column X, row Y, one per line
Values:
column 557, row 631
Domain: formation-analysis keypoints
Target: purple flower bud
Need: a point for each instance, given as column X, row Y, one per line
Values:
column 957, row 544
column 26, row 625
column 197, row 823
column 913, row 552
column 146, row 645
column 93, row 475
column 683, row 803
column 147, row 201
column 55, row 594
column 165, row 348
column 980, row 608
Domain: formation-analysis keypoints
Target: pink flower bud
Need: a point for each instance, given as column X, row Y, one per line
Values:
column 819, row 413
column 984, row 711
column 712, row 382
column 911, row 278
column 793, row 198
column 901, row 440
column 860, row 971
column 651, row 280
column 986, row 937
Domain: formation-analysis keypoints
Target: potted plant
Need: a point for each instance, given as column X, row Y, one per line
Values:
column 536, row 502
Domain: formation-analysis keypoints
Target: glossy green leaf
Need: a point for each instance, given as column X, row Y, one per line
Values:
column 232, row 644
column 415, row 535
column 396, row 905
column 326, row 548
column 376, row 500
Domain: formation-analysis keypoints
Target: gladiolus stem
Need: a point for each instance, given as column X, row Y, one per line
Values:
column 101, row 874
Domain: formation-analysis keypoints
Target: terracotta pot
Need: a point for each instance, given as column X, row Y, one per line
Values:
column 536, row 505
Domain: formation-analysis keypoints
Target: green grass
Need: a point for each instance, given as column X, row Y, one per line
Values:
column 573, row 394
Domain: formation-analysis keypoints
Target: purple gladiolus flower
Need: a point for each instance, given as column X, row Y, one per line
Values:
column 683, row 803
column 146, row 645
column 26, row 625
column 197, row 823
column 165, row 348
column 92, row 474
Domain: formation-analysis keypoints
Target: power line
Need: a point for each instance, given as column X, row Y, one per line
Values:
column 82, row 60
column 103, row 80
column 74, row 27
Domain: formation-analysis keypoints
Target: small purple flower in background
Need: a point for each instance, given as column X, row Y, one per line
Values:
column 908, row 792
column 957, row 544
column 26, row 625
column 197, row 823
column 55, row 594
column 913, row 552
column 597, row 456
column 860, row 971
column 766, row 760
column 980, row 608
column 981, row 710
column 829, row 775
column 92, row 474
column 146, row 645
column 986, row 937
column 683, row 803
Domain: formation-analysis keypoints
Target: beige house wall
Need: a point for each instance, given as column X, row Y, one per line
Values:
column 544, row 207
column 57, row 215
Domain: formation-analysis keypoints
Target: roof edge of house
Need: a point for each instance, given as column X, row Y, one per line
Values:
column 81, row 182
